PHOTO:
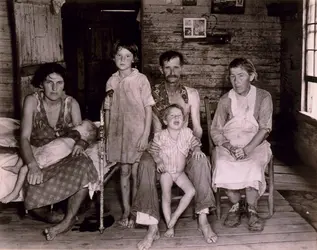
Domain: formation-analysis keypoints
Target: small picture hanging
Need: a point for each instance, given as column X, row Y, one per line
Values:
column 194, row 27
column 227, row 6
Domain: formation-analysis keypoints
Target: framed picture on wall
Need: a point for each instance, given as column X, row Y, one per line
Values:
column 227, row 6
column 194, row 27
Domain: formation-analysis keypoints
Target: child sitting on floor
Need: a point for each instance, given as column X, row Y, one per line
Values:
column 52, row 152
column 169, row 148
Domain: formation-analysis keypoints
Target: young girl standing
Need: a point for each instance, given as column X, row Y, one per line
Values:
column 128, row 119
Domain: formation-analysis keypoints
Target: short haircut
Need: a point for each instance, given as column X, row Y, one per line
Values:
column 170, row 54
column 127, row 44
column 45, row 70
column 246, row 64
column 166, row 110
column 92, row 131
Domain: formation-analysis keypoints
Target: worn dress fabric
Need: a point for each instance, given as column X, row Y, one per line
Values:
column 127, row 115
column 239, row 130
column 66, row 177
column 146, row 203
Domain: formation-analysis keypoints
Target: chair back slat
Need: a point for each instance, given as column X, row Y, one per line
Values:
column 210, row 111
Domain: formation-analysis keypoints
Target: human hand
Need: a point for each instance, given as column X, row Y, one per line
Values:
column 35, row 174
column 239, row 153
column 142, row 143
column 198, row 154
column 160, row 168
column 78, row 150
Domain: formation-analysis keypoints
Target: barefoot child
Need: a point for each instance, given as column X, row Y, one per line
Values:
column 170, row 148
column 51, row 153
column 128, row 120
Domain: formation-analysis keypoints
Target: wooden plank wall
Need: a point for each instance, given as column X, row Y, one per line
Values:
column 255, row 35
column 39, row 34
column 6, row 66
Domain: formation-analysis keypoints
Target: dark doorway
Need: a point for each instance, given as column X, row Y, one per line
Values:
column 89, row 32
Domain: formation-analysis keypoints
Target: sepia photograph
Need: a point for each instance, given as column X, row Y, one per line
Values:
column 158, row 124
column 194, row 27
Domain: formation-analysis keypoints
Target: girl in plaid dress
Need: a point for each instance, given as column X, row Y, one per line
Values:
column 46, row 114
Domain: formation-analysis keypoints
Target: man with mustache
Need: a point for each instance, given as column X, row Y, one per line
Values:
column 146, row 204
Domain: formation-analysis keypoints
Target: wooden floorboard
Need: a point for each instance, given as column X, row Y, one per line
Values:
column 296, row 177
column 285, row 230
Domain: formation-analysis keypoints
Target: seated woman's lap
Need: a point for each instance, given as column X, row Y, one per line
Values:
column 60, row 181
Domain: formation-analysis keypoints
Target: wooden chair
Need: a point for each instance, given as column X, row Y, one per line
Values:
column 269, row 174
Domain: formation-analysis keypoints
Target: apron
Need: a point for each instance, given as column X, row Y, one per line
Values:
column 233, row 174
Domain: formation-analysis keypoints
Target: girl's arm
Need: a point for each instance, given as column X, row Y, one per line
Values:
column 35, row 175
column 142, row 145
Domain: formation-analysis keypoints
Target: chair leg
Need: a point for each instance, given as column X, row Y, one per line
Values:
column 271, row 187
column 218, row 204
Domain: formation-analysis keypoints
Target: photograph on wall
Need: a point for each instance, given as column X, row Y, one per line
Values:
column 227, row 6
column 194, row 27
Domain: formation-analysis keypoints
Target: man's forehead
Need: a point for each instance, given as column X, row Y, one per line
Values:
column 175, row 61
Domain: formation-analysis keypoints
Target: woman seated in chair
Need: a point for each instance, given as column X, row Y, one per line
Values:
column 46, row 114
column 242, row 122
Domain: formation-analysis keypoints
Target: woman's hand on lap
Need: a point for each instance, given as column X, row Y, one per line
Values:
column 35, row 174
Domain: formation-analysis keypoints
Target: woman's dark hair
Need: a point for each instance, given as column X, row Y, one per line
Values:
column 46, row 69
column 166, row 110
column 127, row 44
column 246, row 64
column 170, row 54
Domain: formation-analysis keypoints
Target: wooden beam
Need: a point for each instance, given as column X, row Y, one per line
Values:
column 31, row 69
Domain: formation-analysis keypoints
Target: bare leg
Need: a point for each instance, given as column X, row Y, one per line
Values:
column 125, row 192
column 16, row 168
column 152, row 235
column 184, row 183
column 134, row 189
column 199, row 173
column 74, row 203
column 166, row 184
column 204, row 226
column 18, row 186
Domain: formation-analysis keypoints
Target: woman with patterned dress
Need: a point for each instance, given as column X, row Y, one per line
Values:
column 46, row 114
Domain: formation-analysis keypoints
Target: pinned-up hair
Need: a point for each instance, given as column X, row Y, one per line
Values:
column 246, row 64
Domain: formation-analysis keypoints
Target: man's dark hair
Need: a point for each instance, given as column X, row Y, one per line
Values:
column 170, row 54
column 46, row 69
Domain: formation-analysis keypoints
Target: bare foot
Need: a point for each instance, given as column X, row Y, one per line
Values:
column 169, row 233
column 172, row 221
column 49, row 234
column 204, row 226
column 63, row 227
column 123, row 222
column 131, row 223
column 152, row 235
column 10, row 197
column 12, row 169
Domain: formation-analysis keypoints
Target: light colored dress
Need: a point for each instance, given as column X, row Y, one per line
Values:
column 127, row 115
column 239, row 129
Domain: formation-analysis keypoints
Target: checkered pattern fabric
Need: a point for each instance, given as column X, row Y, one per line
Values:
column 63, row 179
